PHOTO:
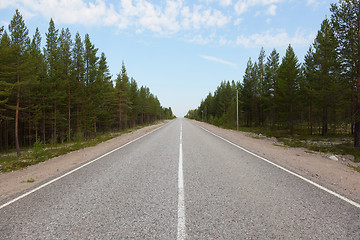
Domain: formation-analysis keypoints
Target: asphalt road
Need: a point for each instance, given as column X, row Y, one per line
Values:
column 179, row 182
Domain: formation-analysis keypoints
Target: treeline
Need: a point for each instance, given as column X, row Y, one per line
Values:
column 64, row 91
column 322, row 93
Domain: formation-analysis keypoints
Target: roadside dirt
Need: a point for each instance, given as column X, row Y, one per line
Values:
column 17, row 181
column 318, row 167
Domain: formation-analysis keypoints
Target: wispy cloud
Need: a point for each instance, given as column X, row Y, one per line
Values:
column 275, row 38
column 313, row 3
column 165, row 18
column 218, row 60
column 241, row 6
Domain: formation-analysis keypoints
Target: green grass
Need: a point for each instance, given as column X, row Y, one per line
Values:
column 41, row 152
column 30, row 180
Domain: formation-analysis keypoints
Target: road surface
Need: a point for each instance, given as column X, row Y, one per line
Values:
column 178, row 182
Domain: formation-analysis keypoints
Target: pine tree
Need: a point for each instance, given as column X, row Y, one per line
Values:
column 90, row 82
column 142, row 101
column 35, row 90
column 134, row 101
column 288, row 87
column 326, row 62
column 78, row 73
column 270, row 83
column 122, row 86
column 54, row 83
column 262, row 87
column 247, row 93
column 310, row 75
column 345, row 19
column 65, row 44
column 20, row 42
column 107, row 101
column 6, row 72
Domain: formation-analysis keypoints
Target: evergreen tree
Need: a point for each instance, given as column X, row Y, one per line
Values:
column 6, row 73
column 54, row 82
column 288, row 87
column 247, row 93
column 20, row 43
column 63, row 90
column 35, row 90
column 107, row 101
column 78, row 73
column 91, row 61
column 122, row 86
column 65, row 44
column 270, row 83
column 134, row 101
column 262, row 87
column 310, row 75
column 345, row 20
column 326, row 87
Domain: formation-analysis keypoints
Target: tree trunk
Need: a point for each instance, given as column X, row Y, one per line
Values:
column 357, row 125
column 6, row 136
column 43, row 122
column 357, row 109
column 324, row 122
column 54, row 129
column 69, row 109
column 120, row 114
column 17, row 109
column 1, row 138
column 77, row 118
column 310, row 119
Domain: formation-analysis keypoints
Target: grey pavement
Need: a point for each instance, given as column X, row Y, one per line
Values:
column 132, row 193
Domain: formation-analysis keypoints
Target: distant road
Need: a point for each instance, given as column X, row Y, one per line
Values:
column 179, row 182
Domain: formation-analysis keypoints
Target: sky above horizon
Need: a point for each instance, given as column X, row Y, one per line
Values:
column 180, row 49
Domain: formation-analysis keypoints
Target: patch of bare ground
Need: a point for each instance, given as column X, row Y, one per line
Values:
column 17, row 181
column 334, row 174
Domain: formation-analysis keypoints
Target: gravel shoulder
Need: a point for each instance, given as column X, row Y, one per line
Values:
column 318, row 167
column 17, row 181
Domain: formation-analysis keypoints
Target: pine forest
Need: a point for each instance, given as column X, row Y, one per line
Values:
column 320, row 96
column 64, row 91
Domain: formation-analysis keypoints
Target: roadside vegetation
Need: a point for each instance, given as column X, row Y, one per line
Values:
column 40, row 152
column 313, row 104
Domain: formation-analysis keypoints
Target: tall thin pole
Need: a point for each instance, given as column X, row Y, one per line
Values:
column 237, row 109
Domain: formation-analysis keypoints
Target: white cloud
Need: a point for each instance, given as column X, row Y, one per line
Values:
column 223, row 41
column 7, row 3
column 312, row 2
column 272, row 10
column 241, row 6
column 277, row 38
column 237, row 21
column 199, row 39
column 218, row 60
column 168, row 17
column 200, row 17
column 225, row 3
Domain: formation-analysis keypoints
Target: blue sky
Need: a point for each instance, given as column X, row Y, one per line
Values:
column 180, row 49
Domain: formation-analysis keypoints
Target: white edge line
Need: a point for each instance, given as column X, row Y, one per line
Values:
column 288, row 171
column 76, row 169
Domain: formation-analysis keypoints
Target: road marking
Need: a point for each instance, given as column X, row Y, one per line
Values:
column 76, row 169
column 181, row 205
column 288, row 171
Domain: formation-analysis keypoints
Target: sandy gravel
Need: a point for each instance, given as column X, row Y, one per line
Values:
column 334, row 175
column 14, row 182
